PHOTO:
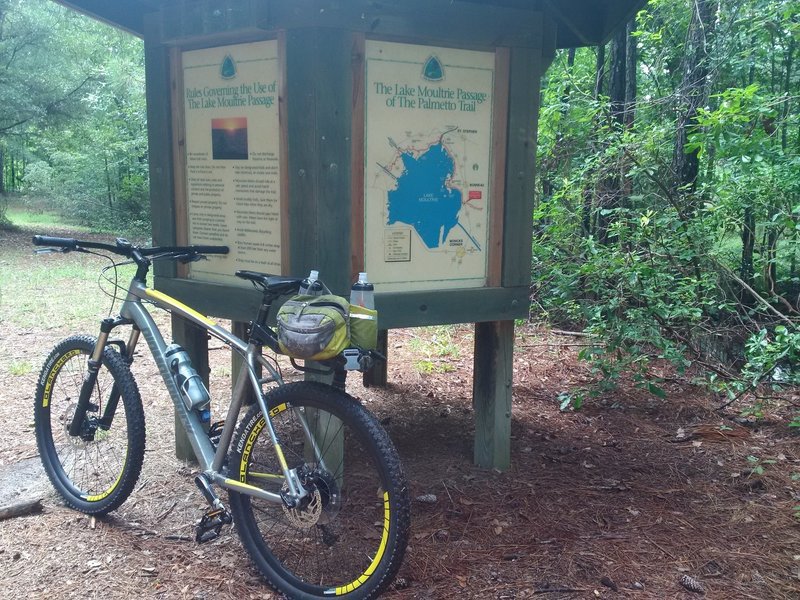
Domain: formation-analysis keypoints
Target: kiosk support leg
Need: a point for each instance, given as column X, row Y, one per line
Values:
column 491, row 393
column 195, row 341
column 378, row 375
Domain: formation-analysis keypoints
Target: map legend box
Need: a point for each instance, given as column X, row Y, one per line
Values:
column 397, row 245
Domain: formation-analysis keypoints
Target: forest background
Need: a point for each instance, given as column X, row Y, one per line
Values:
column 667, row 209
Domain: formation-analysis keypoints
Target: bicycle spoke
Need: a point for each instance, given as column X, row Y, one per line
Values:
column 88, row 469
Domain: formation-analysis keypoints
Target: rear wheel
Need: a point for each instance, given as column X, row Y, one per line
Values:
column 96, row 470
column 348, row 536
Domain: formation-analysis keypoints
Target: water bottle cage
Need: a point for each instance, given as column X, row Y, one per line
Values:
column 184, row 386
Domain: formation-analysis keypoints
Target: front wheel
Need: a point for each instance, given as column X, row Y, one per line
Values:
column 347, row 537
column 96, row 470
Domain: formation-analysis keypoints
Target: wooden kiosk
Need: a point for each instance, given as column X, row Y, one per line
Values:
column 350, row 135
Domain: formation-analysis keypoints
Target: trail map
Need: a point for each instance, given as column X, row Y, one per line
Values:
column 427, row 166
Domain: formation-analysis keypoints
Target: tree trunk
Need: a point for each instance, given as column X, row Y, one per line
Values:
column 771, row 256
column 630, row 105
column 610, row 192
column 12, row 175
column 589, row 194
column 787, row 80
column 600, row 70
column 108, row 183
column 748, row 243
column 691, row 95
column 2, row 166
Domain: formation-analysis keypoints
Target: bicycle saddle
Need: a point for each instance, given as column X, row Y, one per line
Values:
column 273, row 284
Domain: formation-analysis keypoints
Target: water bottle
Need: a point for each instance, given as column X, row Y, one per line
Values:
column 311, row 286
column 363, row 292
column 193, row 392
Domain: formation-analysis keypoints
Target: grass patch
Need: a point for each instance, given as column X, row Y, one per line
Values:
column 20, row 368
column 437, row 346
column 54, row 290
column 49, row 290
column 30, row 220
column 34, row 215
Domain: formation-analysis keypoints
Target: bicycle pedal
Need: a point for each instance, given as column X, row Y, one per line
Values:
column 211, row 524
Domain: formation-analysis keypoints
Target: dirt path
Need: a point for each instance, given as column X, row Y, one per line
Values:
column 608, row 497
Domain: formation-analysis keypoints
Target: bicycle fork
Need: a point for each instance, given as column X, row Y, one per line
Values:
column 80, row 425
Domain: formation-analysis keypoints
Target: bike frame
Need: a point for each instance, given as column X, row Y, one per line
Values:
column 211, row 461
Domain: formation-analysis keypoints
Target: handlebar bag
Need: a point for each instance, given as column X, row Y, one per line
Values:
column 314, row 327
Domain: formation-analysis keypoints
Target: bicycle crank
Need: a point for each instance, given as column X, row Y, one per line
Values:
column 210, row 524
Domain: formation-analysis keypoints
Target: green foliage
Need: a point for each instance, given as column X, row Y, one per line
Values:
column 757, row 464
column 73, row 129
column 641, row 298
column 571, row 400
column 773, row 356
column 651, row 265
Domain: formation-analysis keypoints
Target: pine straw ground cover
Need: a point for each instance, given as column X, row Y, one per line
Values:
column 607, row 502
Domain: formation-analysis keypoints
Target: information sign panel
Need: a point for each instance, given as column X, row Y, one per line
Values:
column 427, row 166
column 232, row 154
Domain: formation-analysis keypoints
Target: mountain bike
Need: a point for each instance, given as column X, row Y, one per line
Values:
column 315, row 486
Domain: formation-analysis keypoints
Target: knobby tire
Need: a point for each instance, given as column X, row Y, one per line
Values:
column 93, row 476
column 349, row 538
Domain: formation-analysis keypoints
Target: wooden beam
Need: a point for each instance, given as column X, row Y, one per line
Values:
column 333, row 90
column 520, row 166
column 491, row 393
column 434, row 21
column 498, row 182
column 357, row 159
column 440, row 307
column 302, row 181
column 160, row 92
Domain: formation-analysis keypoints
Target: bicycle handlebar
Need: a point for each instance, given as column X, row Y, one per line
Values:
column 46, row 240
column 125, row 248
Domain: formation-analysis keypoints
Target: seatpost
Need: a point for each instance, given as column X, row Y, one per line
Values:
column 263, row 310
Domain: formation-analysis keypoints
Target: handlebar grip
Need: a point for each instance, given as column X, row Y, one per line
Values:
column 211, row 249
column 46, row 240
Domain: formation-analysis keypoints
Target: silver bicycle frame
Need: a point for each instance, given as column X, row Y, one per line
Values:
column 211, row 462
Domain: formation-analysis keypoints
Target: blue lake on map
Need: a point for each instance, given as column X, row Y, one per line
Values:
column 422, row 198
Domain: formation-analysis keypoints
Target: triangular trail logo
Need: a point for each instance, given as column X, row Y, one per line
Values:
column 227, row 69
column 433, row 69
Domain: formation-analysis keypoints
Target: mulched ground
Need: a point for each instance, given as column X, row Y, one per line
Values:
column 626, row 498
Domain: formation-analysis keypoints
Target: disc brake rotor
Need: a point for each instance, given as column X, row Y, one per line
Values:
column 308, row 515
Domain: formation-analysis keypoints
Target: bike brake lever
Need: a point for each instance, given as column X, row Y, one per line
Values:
column 52, row 250
column 187, row 258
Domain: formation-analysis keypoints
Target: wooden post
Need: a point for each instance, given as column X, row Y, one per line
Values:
column 195, row 341
column 491, row 393
column 239, row 329
column 378, row 375
column 326, row 429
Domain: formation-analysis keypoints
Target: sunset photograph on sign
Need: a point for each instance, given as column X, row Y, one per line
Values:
column 229, row 138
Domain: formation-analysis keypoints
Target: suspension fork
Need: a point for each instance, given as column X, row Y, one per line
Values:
column 90, row 378
column 76, row 426
column 113, row 396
